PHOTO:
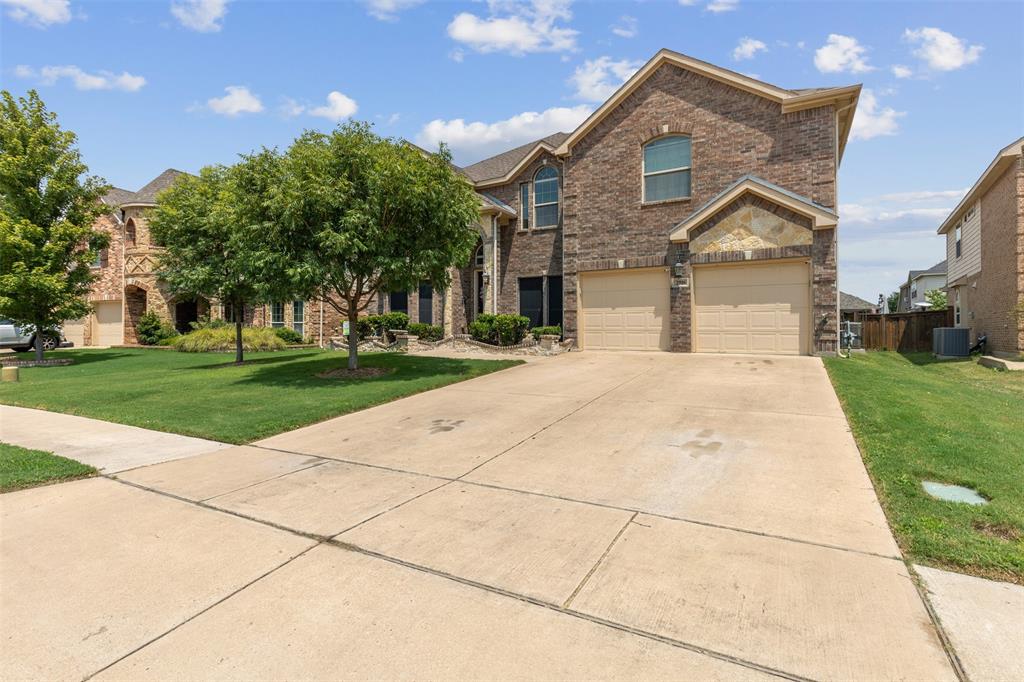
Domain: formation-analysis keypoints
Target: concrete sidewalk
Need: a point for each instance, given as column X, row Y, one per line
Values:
column 107, row 446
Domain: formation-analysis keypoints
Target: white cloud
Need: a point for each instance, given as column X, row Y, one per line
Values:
column 101, row 80
column 872, row 120
column 718, row 6
column 517, row 28
column 204, row 16
column 38, row 13
column 901, row 71
column 687, row 3
column 597, row 79
column 388, row 10
column 886, row 235
column 841, row 53
column 477, row 140
column 627, row 27
column 940, row 50
column 747, row 48
column 338, row 107
column 239, row 100
column 290, row 108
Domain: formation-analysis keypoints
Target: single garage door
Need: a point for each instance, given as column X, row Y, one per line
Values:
column 752, row 308
column 109, row 329
column 74, row 331
column 625, row 309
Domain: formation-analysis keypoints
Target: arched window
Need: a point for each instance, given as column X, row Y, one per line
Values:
column 129, row 232
column 667, row 168
column 545, row 197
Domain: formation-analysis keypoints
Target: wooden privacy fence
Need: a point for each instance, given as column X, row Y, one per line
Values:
column 903, row 331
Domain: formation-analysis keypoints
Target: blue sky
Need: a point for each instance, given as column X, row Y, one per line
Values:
column 159, row 84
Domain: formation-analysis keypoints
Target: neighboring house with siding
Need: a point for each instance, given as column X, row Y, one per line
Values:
column 985, row 251
column 695, row 210
column 920, row 282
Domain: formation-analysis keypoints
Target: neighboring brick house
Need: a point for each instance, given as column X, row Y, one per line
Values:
column 852, row 307
column 985, row 253
column 695, row 210
column 920, row 282
column 127, row 285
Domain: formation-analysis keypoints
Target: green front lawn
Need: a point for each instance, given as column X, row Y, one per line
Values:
column 202, row 394
column 24, row 468
column 956, row 422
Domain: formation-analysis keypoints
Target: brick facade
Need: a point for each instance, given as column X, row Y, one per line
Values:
column 733, row 133
column 1000, row 284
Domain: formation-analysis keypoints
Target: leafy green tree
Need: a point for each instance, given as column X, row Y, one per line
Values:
column 48, row 207
column 211, row 227
column 361, row 214
column 937, row 298
column 893, row 301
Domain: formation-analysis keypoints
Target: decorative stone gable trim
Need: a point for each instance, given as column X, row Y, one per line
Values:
column 669, row 127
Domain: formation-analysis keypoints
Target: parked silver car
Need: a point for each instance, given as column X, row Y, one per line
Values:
column 22, row 340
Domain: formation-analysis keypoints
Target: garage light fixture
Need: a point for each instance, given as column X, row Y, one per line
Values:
column 678, row 270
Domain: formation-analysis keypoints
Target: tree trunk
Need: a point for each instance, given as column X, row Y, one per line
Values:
column 353, row 338
column 238, row 340
column 39, row 342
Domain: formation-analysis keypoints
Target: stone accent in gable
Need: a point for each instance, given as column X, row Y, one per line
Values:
column 751, row 222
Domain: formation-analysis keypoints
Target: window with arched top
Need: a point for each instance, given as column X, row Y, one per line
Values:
column 545, row 197
column 129, row 232
column 666, row 168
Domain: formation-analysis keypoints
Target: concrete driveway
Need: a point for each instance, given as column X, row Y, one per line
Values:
column 594, row 515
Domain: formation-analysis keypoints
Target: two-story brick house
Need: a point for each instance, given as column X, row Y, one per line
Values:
column 695, row 210
column 985, row 254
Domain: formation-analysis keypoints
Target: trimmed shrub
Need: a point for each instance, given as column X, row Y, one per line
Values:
column 223, row 339
column 499, row 330
column 153, row 331
column 380, row 325
column 427, row 332
column 288, row 335
column 553, row 330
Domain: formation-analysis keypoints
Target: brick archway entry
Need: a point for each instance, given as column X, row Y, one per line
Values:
column 135, row 307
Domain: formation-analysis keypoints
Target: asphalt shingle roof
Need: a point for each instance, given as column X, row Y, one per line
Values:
column 851, row 302
column 937, row 269
column 117, row 196
column 147, row 195
column 498, row 166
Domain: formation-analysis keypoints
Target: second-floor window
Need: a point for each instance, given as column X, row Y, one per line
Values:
column 545, row 197
column 956, row 236
column 129, row 233
column 524, row 206
column 98, row 261
column 667, row 168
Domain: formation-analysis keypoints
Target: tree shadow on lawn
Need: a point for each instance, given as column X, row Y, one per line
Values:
column 402, row 368
column 925, row 358
column 81, row 358
column 229, row 361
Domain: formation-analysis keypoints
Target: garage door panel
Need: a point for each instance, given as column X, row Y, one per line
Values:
column 74, row 331
column 625, row 310
column 109, row 328
column 752, row 308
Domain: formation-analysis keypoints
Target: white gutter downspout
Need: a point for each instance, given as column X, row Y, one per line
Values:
column 494, row 275
column 321, row 323
column 835, row 235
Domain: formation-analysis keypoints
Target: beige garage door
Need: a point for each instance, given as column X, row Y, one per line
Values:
column 625, row 310
column 109, row 329
column 752, row 308
column 74, row 331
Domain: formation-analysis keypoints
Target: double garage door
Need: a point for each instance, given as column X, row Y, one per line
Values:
column 736, row 309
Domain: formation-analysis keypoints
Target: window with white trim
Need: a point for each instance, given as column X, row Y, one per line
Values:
column 299, row 317
column 545, row 197
column 524, row 206
column 956, row 306
column 956, row 235
column 277, row 314
column 666, row 168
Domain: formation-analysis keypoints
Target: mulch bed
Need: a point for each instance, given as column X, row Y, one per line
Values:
column 361, row 373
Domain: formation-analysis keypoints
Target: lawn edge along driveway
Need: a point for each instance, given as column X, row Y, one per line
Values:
column 206, row 396
column 916, row 419
column 26, row 468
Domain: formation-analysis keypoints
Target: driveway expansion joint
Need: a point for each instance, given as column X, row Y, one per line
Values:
column 597, row 620
column 600, row 560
